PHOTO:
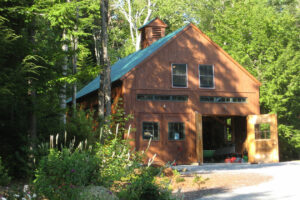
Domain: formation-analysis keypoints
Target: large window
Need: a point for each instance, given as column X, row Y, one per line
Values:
column 214, row 99
column 206, row 76
column 159, row 97
column 176, row 131
column 150, row 130
column 179, row 75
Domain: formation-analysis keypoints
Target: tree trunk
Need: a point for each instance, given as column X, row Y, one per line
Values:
column 33, row 118
column 97, row 42
column 74, row 70
column 133, row 17
column 62, row 95
column 105, row 81
column 32, row 94
column 74, row 40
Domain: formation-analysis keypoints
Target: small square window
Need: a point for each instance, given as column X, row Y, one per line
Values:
column 176, row 131
column 262, row 131
column 206, row 76
column 179, row 75
column 150, row 130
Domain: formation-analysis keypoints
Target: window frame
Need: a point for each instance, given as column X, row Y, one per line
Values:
column 158, row 132
column 186, row 74
column 213, row 76
column 155, row 96
column 231, row 99
column 184, row 133
column 259, row 132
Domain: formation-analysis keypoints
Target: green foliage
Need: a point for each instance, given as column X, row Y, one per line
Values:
column 68, row 173
column 4, row 178
column 143, row 186
column 199, row 180
column 117, row 160
column 61, row 174
column 264, row 37
column 179, row 179
column 82, row 126
column 177, row 176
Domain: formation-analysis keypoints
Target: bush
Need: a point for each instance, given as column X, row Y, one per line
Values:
column 143, row 186
column 111, row 163
column 117, row 161
column 4, row 178
column 82, row 126
column 62, row 174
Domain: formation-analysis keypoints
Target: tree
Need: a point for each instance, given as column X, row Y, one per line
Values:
column 104, row 92
column 134, row 13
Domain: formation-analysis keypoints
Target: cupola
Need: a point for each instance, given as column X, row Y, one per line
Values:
column 152, row 31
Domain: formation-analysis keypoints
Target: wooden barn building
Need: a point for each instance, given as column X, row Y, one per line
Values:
column 192, row 98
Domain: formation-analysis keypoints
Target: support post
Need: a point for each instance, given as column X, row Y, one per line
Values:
column 199, row 140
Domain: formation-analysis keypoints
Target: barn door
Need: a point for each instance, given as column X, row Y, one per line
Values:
column 199, row 138
column 262, row 138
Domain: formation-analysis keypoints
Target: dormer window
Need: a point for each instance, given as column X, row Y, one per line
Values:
column 206, row 76
column 179, row 75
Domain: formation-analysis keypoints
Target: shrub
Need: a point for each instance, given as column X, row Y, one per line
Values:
column 62, row 174
column 177, row 177
column 117, row 161
column 122, row 171
column 82, row 126
column 143, row 186
column 4, row 178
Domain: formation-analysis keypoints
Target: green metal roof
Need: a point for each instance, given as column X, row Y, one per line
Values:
column 124, row 65
column 147, row 23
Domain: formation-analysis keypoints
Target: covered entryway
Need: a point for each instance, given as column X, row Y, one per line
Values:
column 220, row 137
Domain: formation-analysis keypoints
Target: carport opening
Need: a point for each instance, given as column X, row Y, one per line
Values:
column 223, row 137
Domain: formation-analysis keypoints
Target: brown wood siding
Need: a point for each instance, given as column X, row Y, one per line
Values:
column 154, row 77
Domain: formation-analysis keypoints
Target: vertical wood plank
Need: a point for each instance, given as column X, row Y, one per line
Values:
column 199, row 141
column 274, row 137
column 250, row 142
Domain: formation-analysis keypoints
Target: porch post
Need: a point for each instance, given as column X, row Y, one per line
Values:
column 199, row 142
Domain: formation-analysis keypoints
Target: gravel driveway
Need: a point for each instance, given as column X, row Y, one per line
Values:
column 285, row 183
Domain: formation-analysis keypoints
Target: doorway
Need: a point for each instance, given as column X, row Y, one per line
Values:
column 219, row 137
column 223, row 137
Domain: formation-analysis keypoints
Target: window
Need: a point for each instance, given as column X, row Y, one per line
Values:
column 213, row 99
column 150, row 130
column 157, row 97
column 228, row 132
column 262, row 131
column 206, row 76
column 179, row 75
column 176, row 131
